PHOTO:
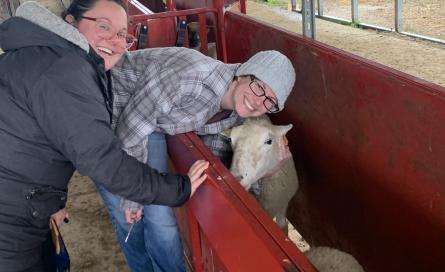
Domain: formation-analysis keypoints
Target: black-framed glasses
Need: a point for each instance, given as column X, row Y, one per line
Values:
column 269, row 102
column 104, row 29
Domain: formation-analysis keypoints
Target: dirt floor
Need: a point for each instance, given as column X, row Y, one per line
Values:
column 89, row 236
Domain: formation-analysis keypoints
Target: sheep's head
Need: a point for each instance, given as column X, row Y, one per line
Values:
column 255, row 147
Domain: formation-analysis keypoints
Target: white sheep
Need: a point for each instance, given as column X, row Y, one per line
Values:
column 256, row 155
column 327, row 259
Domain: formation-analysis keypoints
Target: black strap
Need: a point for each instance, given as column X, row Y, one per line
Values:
column 219, row 116
column 182, row 26
column 142, row 38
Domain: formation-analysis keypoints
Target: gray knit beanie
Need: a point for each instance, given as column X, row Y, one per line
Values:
column 272, row 68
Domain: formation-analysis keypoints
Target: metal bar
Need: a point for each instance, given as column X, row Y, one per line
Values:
column 140, row 7
column 431, row 39
column 141, row 18
column 220, row 34
column 335, row 19
column 371, row 26
column 293, row 4
column 320, row 7
column 354, row 11
column 203, row 34
column 308, row 13
column 399, row 15
column 243, row 6
column 170, row 5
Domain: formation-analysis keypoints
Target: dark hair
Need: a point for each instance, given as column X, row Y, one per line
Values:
column 78, row 7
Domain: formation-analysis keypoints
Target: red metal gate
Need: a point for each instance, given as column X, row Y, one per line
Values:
column 369, row 147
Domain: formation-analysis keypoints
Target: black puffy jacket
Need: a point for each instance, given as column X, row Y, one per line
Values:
column 55, row 108
column 55, row 117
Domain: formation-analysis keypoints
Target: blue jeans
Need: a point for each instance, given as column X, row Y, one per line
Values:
column 154, row 243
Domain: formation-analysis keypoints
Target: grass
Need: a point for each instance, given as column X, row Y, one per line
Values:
column 355, row 24
column 274, row 3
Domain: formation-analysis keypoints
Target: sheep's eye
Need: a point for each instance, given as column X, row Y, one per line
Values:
column 268, row 141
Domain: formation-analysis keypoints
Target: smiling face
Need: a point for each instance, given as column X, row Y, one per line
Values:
column 245, row 102
column 112, row 48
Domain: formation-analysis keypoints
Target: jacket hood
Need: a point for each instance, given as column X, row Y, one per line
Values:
column 34, row 25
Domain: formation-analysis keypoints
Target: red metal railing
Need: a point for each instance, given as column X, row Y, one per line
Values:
column 224, row 228
column 162, row 26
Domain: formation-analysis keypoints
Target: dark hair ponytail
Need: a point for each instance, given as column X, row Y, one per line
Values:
column 78, row 7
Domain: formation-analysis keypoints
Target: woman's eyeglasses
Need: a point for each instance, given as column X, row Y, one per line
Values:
column 269, row 103
column 106, row 30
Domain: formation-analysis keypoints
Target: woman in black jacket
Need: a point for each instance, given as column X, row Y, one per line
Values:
column 55, row 112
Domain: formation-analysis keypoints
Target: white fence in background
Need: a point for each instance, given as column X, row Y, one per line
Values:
column 309, row 11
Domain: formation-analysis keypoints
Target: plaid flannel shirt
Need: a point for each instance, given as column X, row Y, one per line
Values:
column 173, row 90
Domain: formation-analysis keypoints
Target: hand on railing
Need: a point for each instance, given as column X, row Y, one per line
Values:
column 196, row 174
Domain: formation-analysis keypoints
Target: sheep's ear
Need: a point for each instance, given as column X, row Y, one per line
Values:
column 282, row 130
